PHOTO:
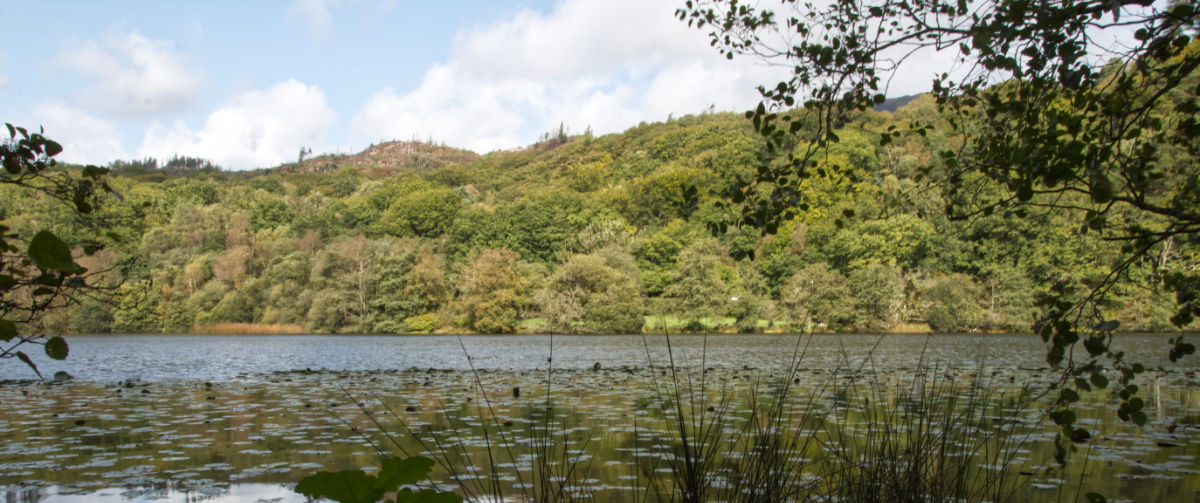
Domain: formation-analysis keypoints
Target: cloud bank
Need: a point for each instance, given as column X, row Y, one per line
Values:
column 133, row 76
column 85, row 138
column 258, row 128
column 607, row 64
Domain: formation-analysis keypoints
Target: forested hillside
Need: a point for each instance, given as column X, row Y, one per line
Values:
column 577, row 235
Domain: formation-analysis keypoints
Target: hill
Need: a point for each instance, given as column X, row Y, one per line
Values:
column 584, row 234
column 385, row 159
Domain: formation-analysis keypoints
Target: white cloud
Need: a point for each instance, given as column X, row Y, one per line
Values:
column 314, row 13
column 607, row 64
column 85, row 139
column 135, row 76
column 317, row 16
column 259, row 128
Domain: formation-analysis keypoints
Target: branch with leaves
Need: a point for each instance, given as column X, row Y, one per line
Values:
column 1044, row 111
column 39, row 274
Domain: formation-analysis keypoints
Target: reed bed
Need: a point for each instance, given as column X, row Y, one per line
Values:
column 854, row 436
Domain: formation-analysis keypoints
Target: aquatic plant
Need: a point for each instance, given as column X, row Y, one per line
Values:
column 856, row 435
column 355, row 486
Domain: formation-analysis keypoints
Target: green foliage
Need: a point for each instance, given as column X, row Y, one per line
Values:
column 426, row 213
column 878, row 295
column 236, row 306
column 38, row 269
column 91, row 317
column 412, row 286
column 135, row 305
column 399, row 254
column 951, row 304
column 422, row 323
column 589, row 294
column 268, row 212
column 355, row 486
column 541, row 225
column 495, row 290
column 819, row 295
column 1034, row 128
column 699, row 289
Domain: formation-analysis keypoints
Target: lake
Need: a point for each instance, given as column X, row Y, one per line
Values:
column 240, row 418
column 220, row 357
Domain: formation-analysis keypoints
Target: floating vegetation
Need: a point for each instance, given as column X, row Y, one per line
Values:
column 597, row 432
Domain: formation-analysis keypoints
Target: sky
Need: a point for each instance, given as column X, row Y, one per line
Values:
column 248, row 84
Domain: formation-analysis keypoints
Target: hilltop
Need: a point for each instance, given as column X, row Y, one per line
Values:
column 385, row 159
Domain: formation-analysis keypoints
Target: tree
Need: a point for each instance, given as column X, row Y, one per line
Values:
column 425, row 213
column 699, row 288
column 411, row 283
column 1043, row 112
column 877, row 294
column 951, row 304
column 818, row 295
column 38, row 272
column 356, row 258
column 494, row 290
column 587, row 294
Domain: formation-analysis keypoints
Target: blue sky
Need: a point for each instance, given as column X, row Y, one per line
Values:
column 247, row 84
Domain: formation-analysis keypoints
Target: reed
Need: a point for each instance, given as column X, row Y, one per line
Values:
column 854, row 436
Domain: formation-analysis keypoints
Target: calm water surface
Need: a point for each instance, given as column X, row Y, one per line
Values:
column 166, row 357
column 238, row 419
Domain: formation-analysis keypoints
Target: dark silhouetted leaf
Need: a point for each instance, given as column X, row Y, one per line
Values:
column 347, row 486
column 51, row 254
column 56, row 348
column 7, row 330
column 25, row 358
column 397, row 472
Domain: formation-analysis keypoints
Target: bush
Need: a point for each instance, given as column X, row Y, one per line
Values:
column 951, row 304
column 423, row 323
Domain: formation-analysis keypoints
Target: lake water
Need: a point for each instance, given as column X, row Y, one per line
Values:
column 241, row 418
column 167, row 357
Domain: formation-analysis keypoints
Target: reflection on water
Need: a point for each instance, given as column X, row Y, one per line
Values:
column 219, row 437
column 164, row 493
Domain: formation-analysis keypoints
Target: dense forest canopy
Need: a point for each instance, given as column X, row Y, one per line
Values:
column 580, row 234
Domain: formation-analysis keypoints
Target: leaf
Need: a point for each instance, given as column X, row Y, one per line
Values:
column 347, row 486
column 51, row 254
column 53, row 148
column 397, row 472
column 94, row 171
column 7, row 330
column 56, row 348
column 25, row 358
column 1101, row 190
column 1095, row 345
column 1094, row 498
column 1025, row 193
column 1080, row 436
column 1107, row 326
column 1138, row 417
column 1063, row 417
